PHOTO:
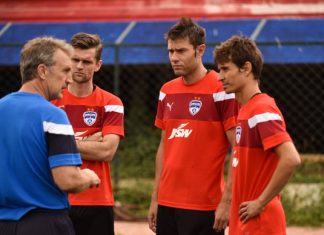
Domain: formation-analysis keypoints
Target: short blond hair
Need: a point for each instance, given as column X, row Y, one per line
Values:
column 38, row 51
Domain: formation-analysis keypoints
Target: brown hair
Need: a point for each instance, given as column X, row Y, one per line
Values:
column 184, row 28
column 38, row 51
column 240, row 49
column 87, row 41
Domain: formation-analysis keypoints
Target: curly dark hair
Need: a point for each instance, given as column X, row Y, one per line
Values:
column 240, row 49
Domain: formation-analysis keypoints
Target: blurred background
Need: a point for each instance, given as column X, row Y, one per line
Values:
column 290, row 34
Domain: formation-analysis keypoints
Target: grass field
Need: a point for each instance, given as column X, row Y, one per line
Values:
column 303, row 197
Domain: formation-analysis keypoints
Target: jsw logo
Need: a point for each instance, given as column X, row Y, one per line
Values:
column 180, row 132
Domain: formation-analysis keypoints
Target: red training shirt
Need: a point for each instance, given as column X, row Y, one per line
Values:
column 260, row 127
column 194, row 118
column 100, row 111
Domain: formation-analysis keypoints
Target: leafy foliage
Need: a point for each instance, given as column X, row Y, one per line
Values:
column 304, row 214
column 310, row 171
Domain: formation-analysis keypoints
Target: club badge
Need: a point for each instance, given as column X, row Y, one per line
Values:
column 238, row 133
column 89, row 117
column 194, row 107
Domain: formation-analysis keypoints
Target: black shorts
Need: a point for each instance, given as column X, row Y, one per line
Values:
column 39, row 222
column 92, row 220
column 174, row 221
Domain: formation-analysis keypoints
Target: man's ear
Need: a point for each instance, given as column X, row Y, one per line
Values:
column 98, row 65
column 246, row 68
column 41, row 71
column 201, row 49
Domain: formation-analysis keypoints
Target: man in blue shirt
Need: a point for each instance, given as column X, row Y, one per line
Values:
column 39, row 161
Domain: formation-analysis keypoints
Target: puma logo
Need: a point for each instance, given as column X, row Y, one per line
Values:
column 169, row 105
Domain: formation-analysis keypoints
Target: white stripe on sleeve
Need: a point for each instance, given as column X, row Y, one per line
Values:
column 54, row 128
column 161, row 96
column 263, row 117
column 114, row 108
column 221, row 96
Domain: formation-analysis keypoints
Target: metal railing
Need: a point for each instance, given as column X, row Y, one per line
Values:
column 297, row 88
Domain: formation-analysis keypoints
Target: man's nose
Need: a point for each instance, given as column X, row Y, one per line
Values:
column 220, row 76
column 69, row 79
column 79, row 64
column 174, row 57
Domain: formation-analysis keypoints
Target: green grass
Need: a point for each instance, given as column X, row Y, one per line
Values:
column 133, row 197
column 310, row 171
column 133, row 194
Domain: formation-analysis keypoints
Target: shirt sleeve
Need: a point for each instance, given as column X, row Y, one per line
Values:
column 60, row 140
column 114, row 118
column 228, row 108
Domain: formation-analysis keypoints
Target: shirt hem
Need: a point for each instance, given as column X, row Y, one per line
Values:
column 188, row 207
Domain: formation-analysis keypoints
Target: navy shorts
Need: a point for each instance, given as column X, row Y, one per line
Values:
column 92, row 220
column 39, row 222
column 174, row 221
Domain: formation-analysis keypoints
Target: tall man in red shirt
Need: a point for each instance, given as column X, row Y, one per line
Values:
column 97, row 117
column 264, row 155
column 197, row 120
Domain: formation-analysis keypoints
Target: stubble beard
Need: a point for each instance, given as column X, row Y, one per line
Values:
column 80, row 79
column 179, row 73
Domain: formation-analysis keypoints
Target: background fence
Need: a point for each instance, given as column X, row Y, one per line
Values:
column 290, row 34
column 298, row 89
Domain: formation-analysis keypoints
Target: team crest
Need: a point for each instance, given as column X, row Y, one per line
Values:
column 194, row 107
column 238, row 133
column 89, row 117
